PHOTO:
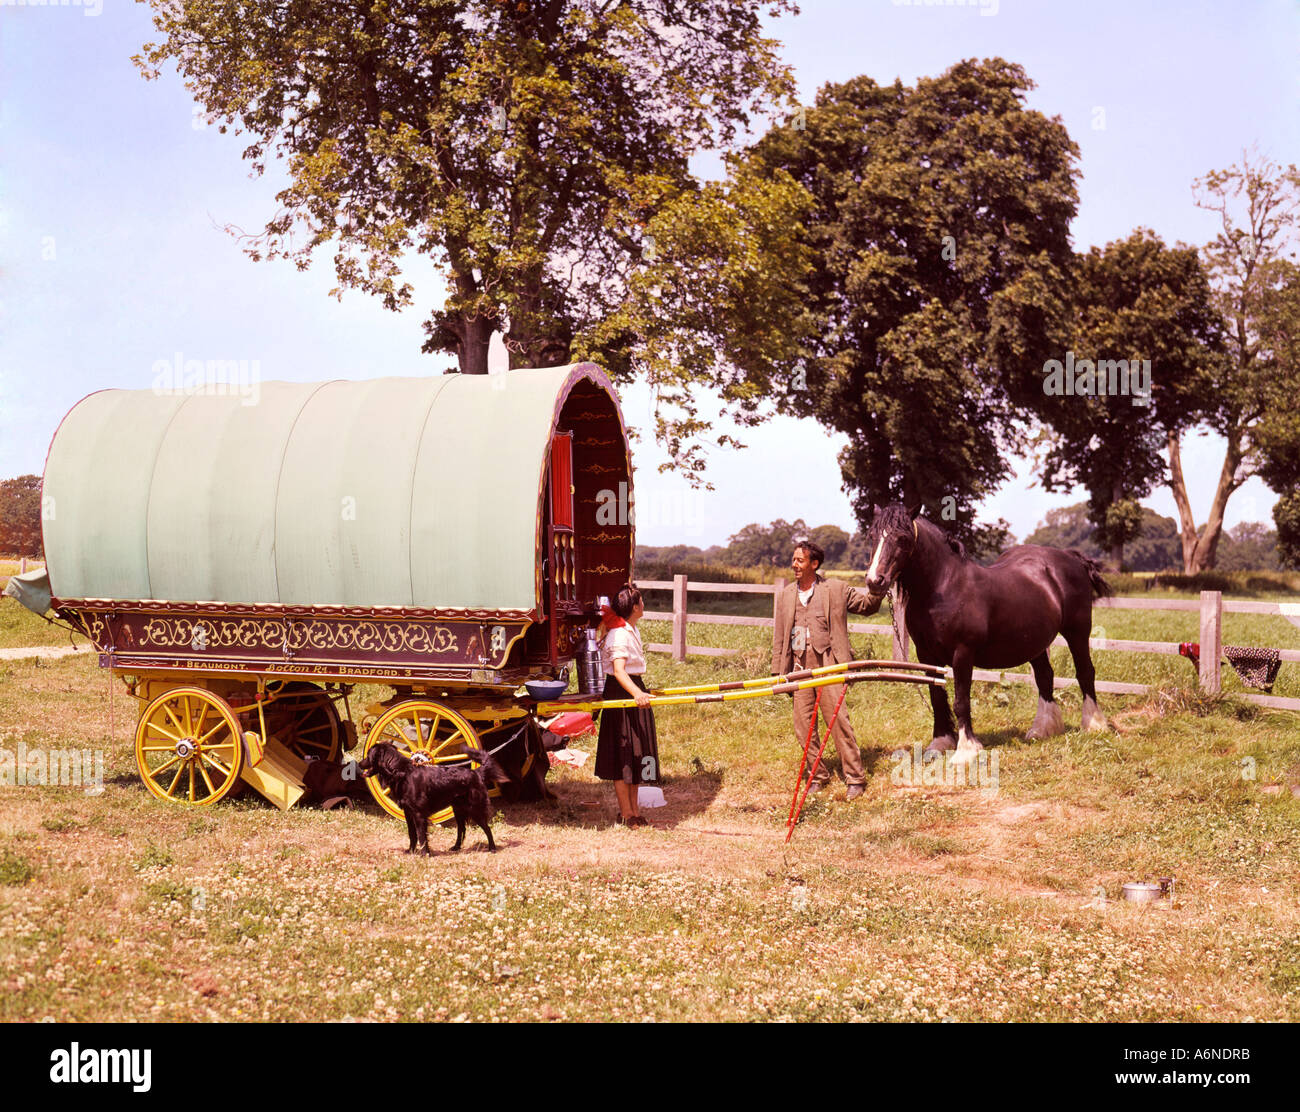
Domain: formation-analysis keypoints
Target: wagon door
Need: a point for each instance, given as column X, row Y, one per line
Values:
column 562, row 557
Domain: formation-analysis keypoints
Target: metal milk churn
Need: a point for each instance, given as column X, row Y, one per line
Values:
column 591, row 672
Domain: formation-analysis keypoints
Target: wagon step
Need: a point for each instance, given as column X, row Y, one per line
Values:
column 277, row 774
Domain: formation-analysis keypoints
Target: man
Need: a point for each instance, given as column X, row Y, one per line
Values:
column 812, row 630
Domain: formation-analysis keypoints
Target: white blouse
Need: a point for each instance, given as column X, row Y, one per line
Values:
column 623, row 643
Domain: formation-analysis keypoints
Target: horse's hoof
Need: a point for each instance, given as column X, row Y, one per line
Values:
column 1093, row 719
column 967, row 749
column 941, row 745
column 1048, row 722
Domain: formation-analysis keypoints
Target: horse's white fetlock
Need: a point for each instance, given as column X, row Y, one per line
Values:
column 1048, row 722
column 1093, row 719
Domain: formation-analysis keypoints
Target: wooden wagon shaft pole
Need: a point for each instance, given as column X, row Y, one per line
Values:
column 732, row 696
column 803, row 674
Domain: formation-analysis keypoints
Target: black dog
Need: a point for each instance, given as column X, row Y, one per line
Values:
column 422, row 789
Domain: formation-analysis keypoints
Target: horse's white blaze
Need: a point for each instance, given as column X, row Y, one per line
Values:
column 875, row 560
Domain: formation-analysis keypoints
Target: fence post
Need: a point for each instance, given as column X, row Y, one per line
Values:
column 1211, row 640
column 901, row 640
column 679, row 617
column 22, row 566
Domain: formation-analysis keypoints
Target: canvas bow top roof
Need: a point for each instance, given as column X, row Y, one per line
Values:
column 404, row 492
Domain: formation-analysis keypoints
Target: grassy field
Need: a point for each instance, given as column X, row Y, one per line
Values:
column 917, row 902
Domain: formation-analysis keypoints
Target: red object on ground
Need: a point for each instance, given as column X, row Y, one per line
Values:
column 803, row 763
column 572, row 723
column 789, row 832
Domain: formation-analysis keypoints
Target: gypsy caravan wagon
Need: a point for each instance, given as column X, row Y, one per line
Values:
column 241, row 566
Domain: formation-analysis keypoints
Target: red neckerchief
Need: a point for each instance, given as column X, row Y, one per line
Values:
column 611, row 620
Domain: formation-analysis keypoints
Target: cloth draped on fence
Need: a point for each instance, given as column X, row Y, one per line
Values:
column 1257, row 668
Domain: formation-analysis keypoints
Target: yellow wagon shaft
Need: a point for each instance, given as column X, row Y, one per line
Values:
column 759, row 689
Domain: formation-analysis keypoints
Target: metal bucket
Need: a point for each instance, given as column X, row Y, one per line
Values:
column 1143, row 891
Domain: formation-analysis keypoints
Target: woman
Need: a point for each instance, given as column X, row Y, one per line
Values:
column 628, row 750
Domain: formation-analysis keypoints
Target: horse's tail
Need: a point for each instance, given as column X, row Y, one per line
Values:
column 1100, row 588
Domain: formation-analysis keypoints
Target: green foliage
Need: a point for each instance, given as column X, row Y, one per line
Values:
column 1067, row 527
column 527, row 148
column 1277, row 436
column 1154, row 547
column 1287, row 515
column 1254, row 289
column 20, row 516
column 15, row 869
column 1251, row 546
column 833, row 540
column 1134, row 302
column 674, row 555
column 167, row 890
column 722, row 302
column 154, row 856
column 766, row 545
column 940, row 234
column 1122, row 522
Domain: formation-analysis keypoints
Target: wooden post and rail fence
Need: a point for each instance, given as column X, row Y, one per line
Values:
column 1211, row 609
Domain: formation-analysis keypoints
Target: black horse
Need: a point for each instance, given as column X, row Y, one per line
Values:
column 966, row 616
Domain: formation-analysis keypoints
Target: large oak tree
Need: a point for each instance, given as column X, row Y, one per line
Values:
column 524, row 145
column 1137, row 302
column 940, row 234
column 1258, row 206
column 20, row 516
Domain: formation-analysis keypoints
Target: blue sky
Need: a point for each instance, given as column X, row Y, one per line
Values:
column 113, row 197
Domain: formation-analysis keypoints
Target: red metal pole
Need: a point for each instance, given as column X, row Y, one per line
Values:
column 789, row 833
column 803, row 761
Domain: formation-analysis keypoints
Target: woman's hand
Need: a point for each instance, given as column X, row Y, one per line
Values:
column 625, row 682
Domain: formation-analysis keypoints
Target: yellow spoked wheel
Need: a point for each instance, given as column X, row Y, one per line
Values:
column 304, row 719
column 425, row 731
column 189, row 747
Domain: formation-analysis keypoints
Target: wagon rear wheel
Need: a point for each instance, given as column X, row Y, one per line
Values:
column 189, row 747
column 304, row 718
column 423, row 730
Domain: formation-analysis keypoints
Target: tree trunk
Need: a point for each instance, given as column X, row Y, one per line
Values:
column 1201, row 550
column 1117, row 547
column 473, row 349
column 468, row 337
column 1177, row 484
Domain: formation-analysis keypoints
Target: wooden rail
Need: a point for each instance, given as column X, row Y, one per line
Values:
column 1211, row 607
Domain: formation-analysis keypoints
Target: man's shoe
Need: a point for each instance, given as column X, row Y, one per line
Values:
column 818, row 786
column 856, row 791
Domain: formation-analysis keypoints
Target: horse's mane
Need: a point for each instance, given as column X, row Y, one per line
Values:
column 897, row 519
column 894, row 519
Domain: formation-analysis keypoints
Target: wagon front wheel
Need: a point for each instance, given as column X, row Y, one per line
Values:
column 423, row 730
column 189, row 747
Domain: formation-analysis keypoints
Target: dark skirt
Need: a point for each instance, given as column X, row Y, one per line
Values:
column 627, row 748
